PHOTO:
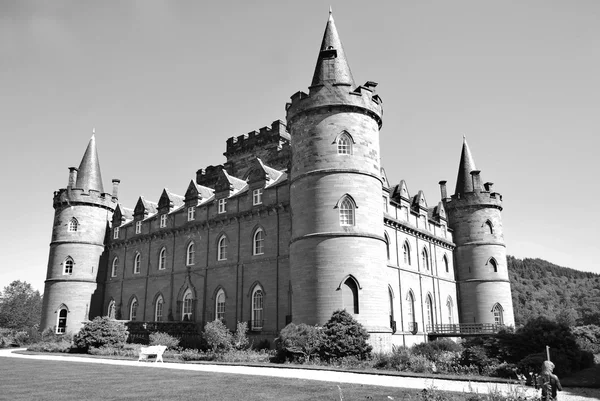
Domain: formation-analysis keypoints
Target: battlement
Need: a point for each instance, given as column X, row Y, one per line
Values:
column 207, row 177
column 244, row 143
column 78, row 195
column 477, row 198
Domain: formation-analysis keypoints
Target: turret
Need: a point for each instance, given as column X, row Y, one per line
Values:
column 337, row 249
column 81, row 215
column 474, row 213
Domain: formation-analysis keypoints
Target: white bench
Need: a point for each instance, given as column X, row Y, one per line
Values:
column 154, row 350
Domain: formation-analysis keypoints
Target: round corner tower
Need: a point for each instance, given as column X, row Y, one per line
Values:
column 474, row 214
column 81, row 215
column 337, row 249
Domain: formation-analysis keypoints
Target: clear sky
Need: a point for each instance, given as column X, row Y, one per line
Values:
column 165, row 83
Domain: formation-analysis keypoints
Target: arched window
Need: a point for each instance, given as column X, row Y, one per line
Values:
column 387, row 245
column 188, row 304
column 494, row 264
column 162, row 259
column 350, row 295
column 115, row 267
column 489, row 227
column 346, row 207
column 189, row 254
column 220, row 305
column 446, row 264
column 61, row 324
column 112, row 309
column 259, row 242
column 68, row 266
column 137, row 263
column 410, row 300
column 158, row 309
column 498, row 314
column 73, row 225
column 406, row 251
column 450, row 306
column 429, row 312
column 222, row 248
column 344, row 144
column 425, row 259
column 133, row 309
column 257, row 308
column 391, row 310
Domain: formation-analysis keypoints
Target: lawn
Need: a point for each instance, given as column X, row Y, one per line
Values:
column 54, row 380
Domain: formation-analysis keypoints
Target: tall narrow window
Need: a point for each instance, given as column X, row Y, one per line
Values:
column 116, row 233
column 406, row 252
column 257, row 308
column 163, row 220
column 137, row 263
column 73, row 224
column 222, row 205
column 425, row 259
column 494, row 264
column 450, row 306
column 68, row 269
column 138, row 226
column 489, row 227
column 391, row 310
column 188, row 303
column 429, row 313
column 115, row 267
column 412, row 323
column 385, row 204
column 498, row 314
column 162, row 259
column 190, row 254
column 259, row 242
column 257, row 196
column 133, row 309
column 344, row 144
column 191, row 213
column 346, row 212
column 350, row 295
column 446, row 264
column 158, row 309
column 220, row 305
column 222, row 248
column 112, row 309
column 61, row 324
column 387, row 245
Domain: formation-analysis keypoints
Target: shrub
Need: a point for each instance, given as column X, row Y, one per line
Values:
column 51, row 346
column 128, row 350
column 433, row 349
column 195, row 355
column 99, row 332
column 476, row 355
column 344, row 336
column 217, row 336
column 240, row 337
column 299, row 342
column 248, row 355
column 159, row 338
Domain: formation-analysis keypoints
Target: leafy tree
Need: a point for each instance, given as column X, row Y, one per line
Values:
column 344, row 336
column 20, row 306
column 299, row 342
column 100, row 332
column 217, row 336
column 240, row 337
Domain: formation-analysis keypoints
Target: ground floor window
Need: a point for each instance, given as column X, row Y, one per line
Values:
column 61, row 326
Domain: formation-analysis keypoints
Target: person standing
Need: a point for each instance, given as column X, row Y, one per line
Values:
column 549, row 382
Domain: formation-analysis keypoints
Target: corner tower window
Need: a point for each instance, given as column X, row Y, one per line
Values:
column 61, row 324
column 498, row 314
column 68, row 270
column 346, row 207
column 489, row 227
column 73, row 225
column 350, row 295
column 494, row 265
column 344, row 144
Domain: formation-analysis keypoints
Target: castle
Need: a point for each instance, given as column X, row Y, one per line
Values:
column 300, row 221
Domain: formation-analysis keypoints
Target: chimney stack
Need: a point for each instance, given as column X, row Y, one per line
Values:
column 488, row 186
column 72, row 177
column 443, row 189
column 476, row 180
column 115, row 192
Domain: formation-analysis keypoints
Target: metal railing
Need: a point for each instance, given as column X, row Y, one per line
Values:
column 464, row 328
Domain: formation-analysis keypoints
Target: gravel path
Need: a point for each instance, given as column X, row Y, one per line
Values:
column 570, row 394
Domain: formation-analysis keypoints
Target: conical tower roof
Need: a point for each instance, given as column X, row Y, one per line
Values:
column 464, row 182
column 332, row 66
column 88, row 176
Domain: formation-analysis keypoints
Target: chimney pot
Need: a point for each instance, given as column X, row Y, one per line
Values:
column 443, row 189
column 72, row 177
column 115, row 191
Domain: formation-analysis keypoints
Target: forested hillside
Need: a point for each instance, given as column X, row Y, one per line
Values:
column 540, row 288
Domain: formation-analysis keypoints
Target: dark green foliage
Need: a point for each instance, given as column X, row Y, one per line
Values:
column 217, row 336
column 20, row 306
column 344, row 337
column 299, row 342
column 540, row 288
column 432, row 349
column 588, row 338
column 99, row 332
column 165, row 339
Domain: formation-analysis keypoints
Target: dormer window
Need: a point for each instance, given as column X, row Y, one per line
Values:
column 163, row 220
column 191, row 213
column 138, row 226
column 257, row 196
column 116, row 233
column 222, row 205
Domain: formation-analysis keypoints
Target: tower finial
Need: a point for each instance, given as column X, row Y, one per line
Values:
column 464, row 182
column 88, row 176
column 330, row 13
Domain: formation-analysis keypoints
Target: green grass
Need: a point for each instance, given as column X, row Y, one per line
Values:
column 56, row 380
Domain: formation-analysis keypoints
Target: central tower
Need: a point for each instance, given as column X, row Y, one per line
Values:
column 337, row 250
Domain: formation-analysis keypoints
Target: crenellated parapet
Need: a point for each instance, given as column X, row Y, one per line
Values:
column 276, row 135
column 72, row 196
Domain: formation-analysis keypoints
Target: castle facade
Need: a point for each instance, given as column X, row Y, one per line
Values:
column 298, row 222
